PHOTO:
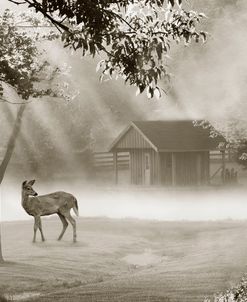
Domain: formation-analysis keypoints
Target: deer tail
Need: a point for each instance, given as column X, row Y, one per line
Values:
column 75, row 208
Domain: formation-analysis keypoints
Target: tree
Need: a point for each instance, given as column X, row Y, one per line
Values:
column 234, row 131
column 25, row 75
column 133, row 37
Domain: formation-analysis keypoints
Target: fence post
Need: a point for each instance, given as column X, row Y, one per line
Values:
column 223, row 166
column 174, row 181
column 115, row 164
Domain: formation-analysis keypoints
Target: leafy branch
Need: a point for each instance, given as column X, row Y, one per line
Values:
column 22, row 63
column 134, row 35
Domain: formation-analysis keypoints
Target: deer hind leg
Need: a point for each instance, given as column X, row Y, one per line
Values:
column 65, row 225
column 73, row 223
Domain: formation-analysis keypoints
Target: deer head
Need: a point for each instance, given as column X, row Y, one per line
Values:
column 27, row 188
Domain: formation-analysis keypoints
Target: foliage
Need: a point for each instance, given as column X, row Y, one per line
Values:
column 241, row 154
column 235, row 294
column 22, row 61
column 133, row 36
column 234, row 134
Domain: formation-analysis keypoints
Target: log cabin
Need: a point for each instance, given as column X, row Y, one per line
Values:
column 168, row 153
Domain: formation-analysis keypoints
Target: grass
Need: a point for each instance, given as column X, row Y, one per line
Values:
column 191, row 260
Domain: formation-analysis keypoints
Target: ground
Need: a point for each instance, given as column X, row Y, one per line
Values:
column 123, row 260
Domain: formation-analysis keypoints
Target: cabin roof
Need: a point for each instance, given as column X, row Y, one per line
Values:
column 172, row 135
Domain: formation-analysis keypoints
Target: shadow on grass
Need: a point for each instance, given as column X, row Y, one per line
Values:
column 59, row 244
column 15, row 264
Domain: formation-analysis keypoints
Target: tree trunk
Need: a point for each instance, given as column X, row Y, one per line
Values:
column 1, row 254
column 9, row 152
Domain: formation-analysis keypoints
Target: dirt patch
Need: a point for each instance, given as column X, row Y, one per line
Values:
column 146, row 258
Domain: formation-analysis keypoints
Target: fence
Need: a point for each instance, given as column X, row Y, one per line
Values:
column 216, row 156
column 105, row 159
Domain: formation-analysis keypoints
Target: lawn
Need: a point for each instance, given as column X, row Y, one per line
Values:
column 123, row 260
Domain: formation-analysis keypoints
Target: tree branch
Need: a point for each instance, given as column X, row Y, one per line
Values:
column 120, row 18
column 2, row 100
column 38, row 8
column 18, row 3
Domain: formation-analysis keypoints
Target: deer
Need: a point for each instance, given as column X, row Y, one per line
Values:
column 59, row 203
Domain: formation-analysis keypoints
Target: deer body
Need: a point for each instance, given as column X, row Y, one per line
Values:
column 59, row 203
column 48, row 204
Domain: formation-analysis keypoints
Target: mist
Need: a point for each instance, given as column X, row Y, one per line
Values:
column 209, row 82
column 198, row 204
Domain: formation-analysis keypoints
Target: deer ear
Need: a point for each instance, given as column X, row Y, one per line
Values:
column 24, row 183
column 31, row 182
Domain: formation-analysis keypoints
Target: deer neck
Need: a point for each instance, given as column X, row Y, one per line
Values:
column 24, row 199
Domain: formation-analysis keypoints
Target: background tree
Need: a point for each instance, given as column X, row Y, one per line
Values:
column 133, row 37
column 234, row 130
column 25, row 75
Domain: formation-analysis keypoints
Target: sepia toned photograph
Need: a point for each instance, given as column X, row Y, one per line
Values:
column 123, row 151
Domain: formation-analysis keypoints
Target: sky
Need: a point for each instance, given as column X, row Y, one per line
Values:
column 6, row 4
column 213, row 77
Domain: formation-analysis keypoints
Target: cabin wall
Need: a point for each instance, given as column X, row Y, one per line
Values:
column 166, row 168
column 186, row 168
column 192, row 168
column 205, row 173
column 138, row 166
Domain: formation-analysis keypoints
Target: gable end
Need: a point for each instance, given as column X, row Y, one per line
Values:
column 132, row 139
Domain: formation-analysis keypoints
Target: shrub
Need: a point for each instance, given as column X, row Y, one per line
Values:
column 237, row 293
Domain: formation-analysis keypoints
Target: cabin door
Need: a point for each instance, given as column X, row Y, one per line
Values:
column 147, row 169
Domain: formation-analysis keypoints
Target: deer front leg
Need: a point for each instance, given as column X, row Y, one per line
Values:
column 40, row 229
column 35, row 227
